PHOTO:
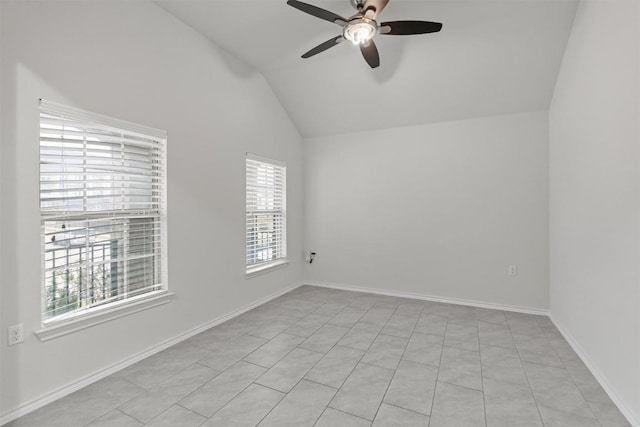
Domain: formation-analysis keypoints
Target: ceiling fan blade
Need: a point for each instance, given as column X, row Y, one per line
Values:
column 372, row 8
column 317, row 12
column 370, row 53
column 323, row 46
column 405, row 28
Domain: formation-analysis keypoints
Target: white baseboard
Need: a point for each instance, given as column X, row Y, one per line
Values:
column 105, row 372
column 471, row 303
column 631, row 418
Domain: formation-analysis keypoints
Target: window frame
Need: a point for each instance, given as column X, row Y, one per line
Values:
column 158, row 294
column 252, row 270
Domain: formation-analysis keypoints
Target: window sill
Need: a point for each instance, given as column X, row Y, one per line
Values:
column 60, row 327
column 256, row 271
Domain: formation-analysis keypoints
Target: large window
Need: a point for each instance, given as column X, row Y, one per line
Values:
column 103, row 204
column 266, row 221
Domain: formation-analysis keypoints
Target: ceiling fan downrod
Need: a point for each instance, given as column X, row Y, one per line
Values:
column 358, row 4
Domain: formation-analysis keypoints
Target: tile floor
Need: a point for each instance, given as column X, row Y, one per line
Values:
column 324, row 357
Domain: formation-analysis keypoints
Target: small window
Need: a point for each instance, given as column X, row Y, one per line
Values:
column 103, row 211
column 266, row 221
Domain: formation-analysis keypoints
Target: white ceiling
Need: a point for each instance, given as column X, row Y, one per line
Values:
column 491, row 57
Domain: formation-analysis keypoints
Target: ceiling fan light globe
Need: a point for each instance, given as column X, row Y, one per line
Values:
column 360, row 31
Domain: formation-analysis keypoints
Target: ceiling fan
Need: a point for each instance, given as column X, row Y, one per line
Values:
column 362, row 27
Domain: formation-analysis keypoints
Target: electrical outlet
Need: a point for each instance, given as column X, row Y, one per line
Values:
column 16, row 334
column 513, row 270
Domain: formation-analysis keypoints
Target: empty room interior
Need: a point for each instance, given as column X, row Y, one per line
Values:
column 320, row 213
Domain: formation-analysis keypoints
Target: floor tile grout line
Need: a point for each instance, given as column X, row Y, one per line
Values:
column 547, row 366
column 357, row 320
column 262, row 385
column 200, row 361
column 192, row 411
column 341, row 411
column 321, row 414
column 461, row 386
column 350, row 371
column 268, row 412
column 319, row 383
column 396, row 368
column 183, row 396
column 484, row 399
column 127, row 415
column 364, row 350
column 287, row 393
column 243, row 390
column 526, row 376
column 118, row 406
column 376, row 366
column 138, row 394
column 564, row 365
column 162, row 412
column 137, row 419
column 301, row 379
column 406, row 409
column 201, row 386
column 331, row 316
column 358, row 362
column 279, row 360
column 316, row 330
column 459, row 348
column 521, row 360
column 100, row 416
column 435, row 388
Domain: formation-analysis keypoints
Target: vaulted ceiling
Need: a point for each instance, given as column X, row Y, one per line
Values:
column 491, row 57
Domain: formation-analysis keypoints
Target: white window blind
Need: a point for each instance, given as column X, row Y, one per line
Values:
column 103, row 210
column 266, row 221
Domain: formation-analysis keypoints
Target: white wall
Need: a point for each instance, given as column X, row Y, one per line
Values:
column 133, row 61
column 438, row 210
column 594, row 198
